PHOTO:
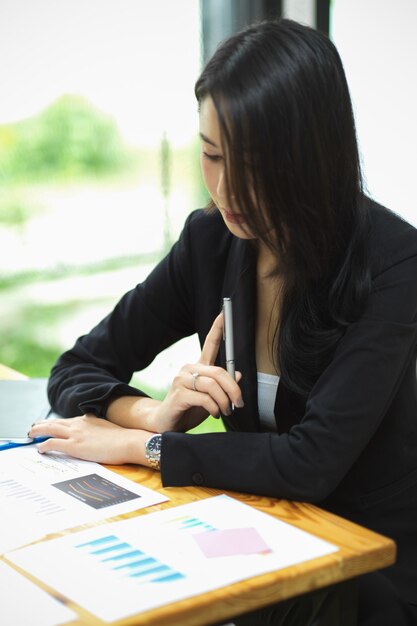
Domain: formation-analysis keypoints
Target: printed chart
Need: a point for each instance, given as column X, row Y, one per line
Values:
column 96, row 491
column 138, row 564
column 123, row 558
column 56, row 492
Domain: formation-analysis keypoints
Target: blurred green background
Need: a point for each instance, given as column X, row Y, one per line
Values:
column 69, row 144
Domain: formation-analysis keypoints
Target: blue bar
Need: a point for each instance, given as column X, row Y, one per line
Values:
column 124, row 555
column 97, row 542
column 160, row 568
column 169, row 578
column 140, row 563
column 117, row 546
column 192, row 522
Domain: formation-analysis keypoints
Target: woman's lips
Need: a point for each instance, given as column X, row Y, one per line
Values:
column 234, row 218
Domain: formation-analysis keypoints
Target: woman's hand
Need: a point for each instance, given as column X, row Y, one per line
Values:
column 93, row 439
column 199, row 389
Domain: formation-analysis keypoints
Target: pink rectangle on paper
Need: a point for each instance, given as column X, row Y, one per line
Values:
column 231, row 542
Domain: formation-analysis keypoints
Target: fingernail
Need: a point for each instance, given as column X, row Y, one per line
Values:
column 240, row 404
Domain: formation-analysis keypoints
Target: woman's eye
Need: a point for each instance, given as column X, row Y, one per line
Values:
column 212, row 157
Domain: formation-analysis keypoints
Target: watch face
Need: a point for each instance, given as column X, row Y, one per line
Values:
column 154, row 444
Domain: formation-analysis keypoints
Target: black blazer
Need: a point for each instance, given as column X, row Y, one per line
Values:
column 351, row 447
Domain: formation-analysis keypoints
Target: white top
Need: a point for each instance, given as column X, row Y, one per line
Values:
column 267, row 391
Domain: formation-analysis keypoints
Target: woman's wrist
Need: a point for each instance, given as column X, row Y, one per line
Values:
column 136, row 446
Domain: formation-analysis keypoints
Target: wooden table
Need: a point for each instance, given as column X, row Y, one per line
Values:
column 360, row 551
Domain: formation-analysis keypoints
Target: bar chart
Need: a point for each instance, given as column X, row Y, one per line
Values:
column 191, row 524
column 130, row 561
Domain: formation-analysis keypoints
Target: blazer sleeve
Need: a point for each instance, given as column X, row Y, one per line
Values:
column 146, row 320
column 344, row 410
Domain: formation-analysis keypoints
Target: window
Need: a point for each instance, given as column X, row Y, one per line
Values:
column 98, row 161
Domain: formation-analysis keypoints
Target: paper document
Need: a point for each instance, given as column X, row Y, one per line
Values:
column 23, row 603
column 45, row 493
column 119, row 569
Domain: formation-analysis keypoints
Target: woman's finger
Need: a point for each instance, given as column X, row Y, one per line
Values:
column 213, row 341
column 216, row 386
column 214, row 381
column 53, row 445
column 52, row 428
column 204, row 401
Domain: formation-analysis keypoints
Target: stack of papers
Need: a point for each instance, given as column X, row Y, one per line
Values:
column 119, row 569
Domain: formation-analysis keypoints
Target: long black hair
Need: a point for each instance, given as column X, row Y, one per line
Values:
column 293, row 166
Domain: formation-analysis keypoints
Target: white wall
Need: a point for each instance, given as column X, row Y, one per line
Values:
column 377, row 40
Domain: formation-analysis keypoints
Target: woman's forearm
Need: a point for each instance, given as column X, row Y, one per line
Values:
column 133, row 412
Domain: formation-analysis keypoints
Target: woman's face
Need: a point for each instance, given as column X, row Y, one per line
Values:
column 213, row 169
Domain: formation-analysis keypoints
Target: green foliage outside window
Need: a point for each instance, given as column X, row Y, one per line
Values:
column 68, row 139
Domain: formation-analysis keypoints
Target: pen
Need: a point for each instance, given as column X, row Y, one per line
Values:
column 228, row 338
column 6, row 444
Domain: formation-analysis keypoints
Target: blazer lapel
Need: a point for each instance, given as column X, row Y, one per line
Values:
column 240, row 285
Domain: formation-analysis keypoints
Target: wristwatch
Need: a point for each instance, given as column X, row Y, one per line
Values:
column 153, row 451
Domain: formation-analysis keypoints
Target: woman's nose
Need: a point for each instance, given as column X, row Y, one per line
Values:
column 221, row 184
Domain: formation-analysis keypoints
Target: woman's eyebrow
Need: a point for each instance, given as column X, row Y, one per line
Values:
column 207, row 140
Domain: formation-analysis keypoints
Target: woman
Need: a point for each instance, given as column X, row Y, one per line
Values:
column 324, row 288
